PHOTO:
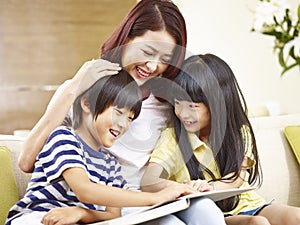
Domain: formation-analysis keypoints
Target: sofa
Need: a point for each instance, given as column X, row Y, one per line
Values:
column 281, row 170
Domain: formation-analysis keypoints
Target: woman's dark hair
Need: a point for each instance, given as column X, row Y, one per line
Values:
column 149, row 15
column 117, row 90
column 208, row 79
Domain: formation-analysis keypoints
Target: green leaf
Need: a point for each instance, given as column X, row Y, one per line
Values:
column 281, row 59
column 299, row 13
column 288, row 68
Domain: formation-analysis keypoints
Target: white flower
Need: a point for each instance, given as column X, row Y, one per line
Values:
column 289, row 45
column 266, row 11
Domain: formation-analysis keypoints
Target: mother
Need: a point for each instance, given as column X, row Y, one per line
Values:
column 149, row 42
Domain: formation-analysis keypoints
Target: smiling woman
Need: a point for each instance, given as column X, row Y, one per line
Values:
column 149, row 55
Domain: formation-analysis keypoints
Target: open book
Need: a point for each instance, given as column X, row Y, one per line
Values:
column 159, row 210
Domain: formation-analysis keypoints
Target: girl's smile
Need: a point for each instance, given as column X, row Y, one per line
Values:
column 194, row 116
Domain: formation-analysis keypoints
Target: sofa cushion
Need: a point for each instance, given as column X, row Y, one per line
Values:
column 8, row 188
column 292, row 134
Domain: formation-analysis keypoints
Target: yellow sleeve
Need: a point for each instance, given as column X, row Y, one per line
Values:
column 166, row 152
column 248, row 146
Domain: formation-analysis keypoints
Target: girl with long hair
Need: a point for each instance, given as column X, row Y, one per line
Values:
column 211, row 145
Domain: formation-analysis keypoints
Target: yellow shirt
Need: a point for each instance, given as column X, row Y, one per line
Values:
column 168, row 155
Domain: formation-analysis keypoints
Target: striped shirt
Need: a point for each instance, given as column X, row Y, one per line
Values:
column 47, row 189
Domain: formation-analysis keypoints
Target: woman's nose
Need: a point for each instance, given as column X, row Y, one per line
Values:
column 152, row 65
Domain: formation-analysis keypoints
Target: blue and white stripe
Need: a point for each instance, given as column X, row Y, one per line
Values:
column 47, row 189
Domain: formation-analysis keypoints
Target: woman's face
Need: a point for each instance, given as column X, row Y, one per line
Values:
column 194, row 116
column 149, row 55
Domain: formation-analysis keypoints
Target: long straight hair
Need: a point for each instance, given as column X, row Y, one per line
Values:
column 209, row 80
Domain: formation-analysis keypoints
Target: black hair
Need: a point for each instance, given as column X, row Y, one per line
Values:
column 208, row 79
column 116, row 90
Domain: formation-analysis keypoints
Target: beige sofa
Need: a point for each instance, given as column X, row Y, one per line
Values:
column 280, row 168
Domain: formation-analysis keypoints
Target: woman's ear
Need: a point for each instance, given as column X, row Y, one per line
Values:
column 85, row 105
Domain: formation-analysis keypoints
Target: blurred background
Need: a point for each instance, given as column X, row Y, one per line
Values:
column 43, row 43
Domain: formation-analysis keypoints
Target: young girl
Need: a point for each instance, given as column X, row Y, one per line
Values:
column 216, row 146
column 150, row 42
column 74, row 179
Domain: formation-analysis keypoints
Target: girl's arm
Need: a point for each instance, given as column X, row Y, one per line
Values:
column 227, row 184
column 75, row 214
column 92, row 193
column 156, row 178
column 59, row 106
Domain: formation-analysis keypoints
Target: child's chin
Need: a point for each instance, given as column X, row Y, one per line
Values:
column 108, row 145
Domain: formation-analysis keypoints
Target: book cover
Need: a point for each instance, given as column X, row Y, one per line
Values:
column 159, row 210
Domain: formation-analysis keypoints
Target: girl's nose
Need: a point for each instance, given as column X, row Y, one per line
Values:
column 184, row 113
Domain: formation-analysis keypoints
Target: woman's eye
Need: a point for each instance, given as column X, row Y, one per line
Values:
column 166, row 61
column 147, row 53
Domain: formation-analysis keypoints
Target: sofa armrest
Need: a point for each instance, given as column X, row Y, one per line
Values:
column 14, row 144
column 281, row 171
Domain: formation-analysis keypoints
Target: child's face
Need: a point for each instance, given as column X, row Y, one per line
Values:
column 194, row 116
column 111, row 124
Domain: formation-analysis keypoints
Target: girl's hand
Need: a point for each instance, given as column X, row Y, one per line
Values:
column 172, row 192
column 199, row 185
column 91, row 71
column 62, row 216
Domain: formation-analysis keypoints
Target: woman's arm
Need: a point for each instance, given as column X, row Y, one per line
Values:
column 75, row 214
column 92, row 193
column 59, row 106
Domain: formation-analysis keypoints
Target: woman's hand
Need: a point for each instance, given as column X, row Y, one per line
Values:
column 199, row 185
column 91, row 71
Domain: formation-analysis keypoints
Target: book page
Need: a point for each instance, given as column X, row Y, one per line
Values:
column 219, row 194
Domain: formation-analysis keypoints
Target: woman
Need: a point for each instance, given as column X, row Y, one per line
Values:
column 150, row 42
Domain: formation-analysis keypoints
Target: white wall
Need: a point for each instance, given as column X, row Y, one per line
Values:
column 223, row 28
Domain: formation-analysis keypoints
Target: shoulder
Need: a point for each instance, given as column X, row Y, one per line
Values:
column 62, row 132
column 62, row 136
column 168, row 136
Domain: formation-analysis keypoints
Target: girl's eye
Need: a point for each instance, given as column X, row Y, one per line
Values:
column 130, row 119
